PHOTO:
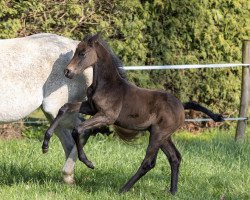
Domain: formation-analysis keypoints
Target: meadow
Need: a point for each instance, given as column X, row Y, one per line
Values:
column 213, row 167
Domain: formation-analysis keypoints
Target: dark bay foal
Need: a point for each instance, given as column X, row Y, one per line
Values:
column 112, row 100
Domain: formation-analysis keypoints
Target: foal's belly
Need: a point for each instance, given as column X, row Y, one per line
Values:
column 136, row 122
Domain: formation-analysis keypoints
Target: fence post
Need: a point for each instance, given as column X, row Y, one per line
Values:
column 245, row 89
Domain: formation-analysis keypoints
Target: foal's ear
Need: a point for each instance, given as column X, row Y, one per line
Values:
column 94, row 39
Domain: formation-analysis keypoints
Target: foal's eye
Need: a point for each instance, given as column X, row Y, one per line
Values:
column 82, row 54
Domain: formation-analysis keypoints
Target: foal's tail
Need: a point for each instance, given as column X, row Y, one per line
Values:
column 195, row 106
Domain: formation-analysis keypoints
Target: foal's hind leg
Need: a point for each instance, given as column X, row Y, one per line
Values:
column 147, row 164
column 174, row 158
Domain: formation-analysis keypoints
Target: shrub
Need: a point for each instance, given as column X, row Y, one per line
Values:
column 152, row 33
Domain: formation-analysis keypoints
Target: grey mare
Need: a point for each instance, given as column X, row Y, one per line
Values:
column 31, row 70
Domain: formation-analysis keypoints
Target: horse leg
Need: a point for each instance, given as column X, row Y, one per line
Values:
column 66, row 108
column 82, row 107
column 68, row 144
column 68, row 169
column 174, row 158
column 96, row 121
column 147, row 164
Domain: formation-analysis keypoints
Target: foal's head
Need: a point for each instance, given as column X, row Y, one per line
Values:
column 84, row 57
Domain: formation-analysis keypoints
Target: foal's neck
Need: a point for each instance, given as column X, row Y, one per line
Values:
column 105, row 70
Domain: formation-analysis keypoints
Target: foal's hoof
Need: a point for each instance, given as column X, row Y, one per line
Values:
column 69, row 179
column 45, row 150
column 122, row 190
column 88, row 163
column 173, row 192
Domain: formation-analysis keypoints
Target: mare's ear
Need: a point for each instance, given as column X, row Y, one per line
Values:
column 94, row 39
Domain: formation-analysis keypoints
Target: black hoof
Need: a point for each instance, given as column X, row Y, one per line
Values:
column 105, row 130
column 45, row 150
column 122, row 190
column 88, row 163
column 173, row 192
column 221, row 118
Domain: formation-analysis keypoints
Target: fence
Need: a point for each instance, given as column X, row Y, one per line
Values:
column 242, row 119
column 241, row 126
column 185, row 66
column 244, row 103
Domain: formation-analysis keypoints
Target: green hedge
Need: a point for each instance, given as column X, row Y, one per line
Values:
column 152, row 33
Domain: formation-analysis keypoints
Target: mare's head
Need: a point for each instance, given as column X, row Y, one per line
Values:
column 84, row 57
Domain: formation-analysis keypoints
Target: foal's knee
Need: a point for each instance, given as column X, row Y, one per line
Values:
column 175, row 162
column 178, row 155
column 148, row 165
column 175, row 159
column 179, row 158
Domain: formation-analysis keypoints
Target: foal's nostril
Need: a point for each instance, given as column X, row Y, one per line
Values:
column 66, row 72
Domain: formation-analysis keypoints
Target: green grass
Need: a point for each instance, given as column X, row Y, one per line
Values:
column 38, row 113
column 213, row 166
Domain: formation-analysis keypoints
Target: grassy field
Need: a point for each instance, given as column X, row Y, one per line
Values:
column 213, row 167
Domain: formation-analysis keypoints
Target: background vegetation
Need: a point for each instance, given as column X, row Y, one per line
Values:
column 151, row 32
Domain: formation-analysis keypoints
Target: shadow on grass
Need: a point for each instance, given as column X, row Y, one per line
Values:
column 89, row 181
column 102, row 180
column 11, row 174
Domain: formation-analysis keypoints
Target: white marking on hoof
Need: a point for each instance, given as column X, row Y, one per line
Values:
column 69, row 179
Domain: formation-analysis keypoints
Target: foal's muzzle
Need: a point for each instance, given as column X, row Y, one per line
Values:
column 68, row 73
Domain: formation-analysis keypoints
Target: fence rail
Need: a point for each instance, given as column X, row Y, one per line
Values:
column 208, row 119
column 196, row 66
column 40, row 122
column 185, row 66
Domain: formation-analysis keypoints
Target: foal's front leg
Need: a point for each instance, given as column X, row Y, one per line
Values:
column 96, row 121
column 82, row 107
